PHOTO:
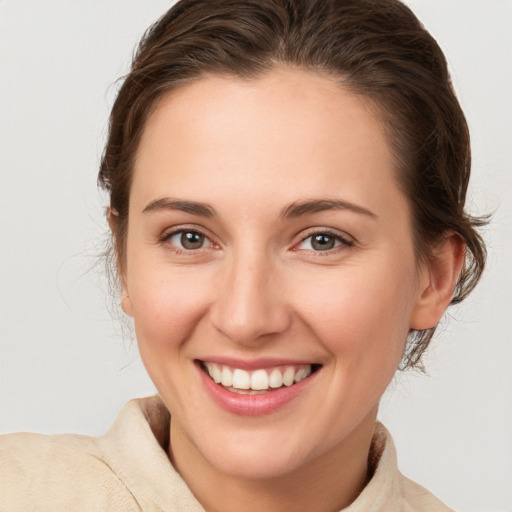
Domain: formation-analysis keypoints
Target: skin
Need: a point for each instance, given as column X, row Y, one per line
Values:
column 258, row 288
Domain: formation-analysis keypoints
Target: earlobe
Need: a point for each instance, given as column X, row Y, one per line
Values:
column 112, row 217
column 437, row 283
column 125, row 301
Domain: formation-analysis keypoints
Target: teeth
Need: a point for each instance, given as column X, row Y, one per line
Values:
column 226, row 377
column 215, row 373
column 241, row 379
column 302, row 374
column 288, row 376
column 276, row 378
column 261, row 380
column 247, row 391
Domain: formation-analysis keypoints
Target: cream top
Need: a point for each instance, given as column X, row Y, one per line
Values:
column 128, row 469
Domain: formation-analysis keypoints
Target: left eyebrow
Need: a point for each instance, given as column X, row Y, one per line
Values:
column 299, row 208
column 165, row 203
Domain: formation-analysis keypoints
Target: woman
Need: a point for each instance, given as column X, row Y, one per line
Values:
column 287, row 183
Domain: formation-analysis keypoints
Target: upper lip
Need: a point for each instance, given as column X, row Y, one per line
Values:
column 255, row 364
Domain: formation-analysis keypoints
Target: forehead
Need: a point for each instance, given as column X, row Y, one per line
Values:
column 291, row 131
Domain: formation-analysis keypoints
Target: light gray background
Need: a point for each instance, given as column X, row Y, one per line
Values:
column 65, row 367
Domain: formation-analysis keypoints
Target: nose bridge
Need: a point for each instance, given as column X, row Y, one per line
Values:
column 250, row 304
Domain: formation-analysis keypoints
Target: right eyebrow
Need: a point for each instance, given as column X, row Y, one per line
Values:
column 166, row 203
column 299, row 208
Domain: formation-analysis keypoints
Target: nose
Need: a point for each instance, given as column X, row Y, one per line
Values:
column 251, row 305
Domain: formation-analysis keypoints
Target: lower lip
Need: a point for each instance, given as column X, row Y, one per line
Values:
column 253, row 405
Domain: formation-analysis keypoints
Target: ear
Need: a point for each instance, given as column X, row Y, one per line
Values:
column 125, row 300
column 113, row 218
column 437, row 281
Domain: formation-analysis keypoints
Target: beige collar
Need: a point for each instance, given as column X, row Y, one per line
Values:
column 136, row 449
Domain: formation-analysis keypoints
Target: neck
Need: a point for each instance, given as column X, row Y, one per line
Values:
column 330, row 482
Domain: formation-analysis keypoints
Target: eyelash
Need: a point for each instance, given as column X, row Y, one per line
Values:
column 166, row 239
column 341, row 241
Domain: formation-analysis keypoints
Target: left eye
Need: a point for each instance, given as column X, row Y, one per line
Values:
column 189, row 240
column 321, row 242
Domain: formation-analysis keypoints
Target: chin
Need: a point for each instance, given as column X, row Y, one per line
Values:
column 255, row 465
column 252, row 454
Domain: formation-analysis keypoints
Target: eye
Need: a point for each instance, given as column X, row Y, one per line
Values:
column 323, row 241
column 189, row 240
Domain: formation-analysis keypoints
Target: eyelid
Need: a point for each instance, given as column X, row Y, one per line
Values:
column 169, row 232
column 345, row 239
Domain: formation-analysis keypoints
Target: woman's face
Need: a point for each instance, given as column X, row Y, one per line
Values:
column 269, row 243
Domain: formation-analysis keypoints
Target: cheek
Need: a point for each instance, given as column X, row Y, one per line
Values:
column 361, row 312
column 166, row 308
column 166, row 312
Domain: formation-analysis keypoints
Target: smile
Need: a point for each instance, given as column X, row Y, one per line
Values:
column 259, row 381
column 254, row 388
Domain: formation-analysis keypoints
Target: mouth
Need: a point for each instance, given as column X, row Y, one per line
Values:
column 259, row 381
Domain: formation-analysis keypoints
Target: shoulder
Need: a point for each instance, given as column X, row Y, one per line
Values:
column 388, row 489
column 416, row 498
column 126, row 469
column 59, row 472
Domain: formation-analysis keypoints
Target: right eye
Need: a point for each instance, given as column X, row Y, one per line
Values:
column 188, row 240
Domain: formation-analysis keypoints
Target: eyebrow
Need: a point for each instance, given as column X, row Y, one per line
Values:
column 296, row 209
column 299, row 208
column 164, row 204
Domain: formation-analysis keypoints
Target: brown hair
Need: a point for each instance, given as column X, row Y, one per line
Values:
column 375, row 48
